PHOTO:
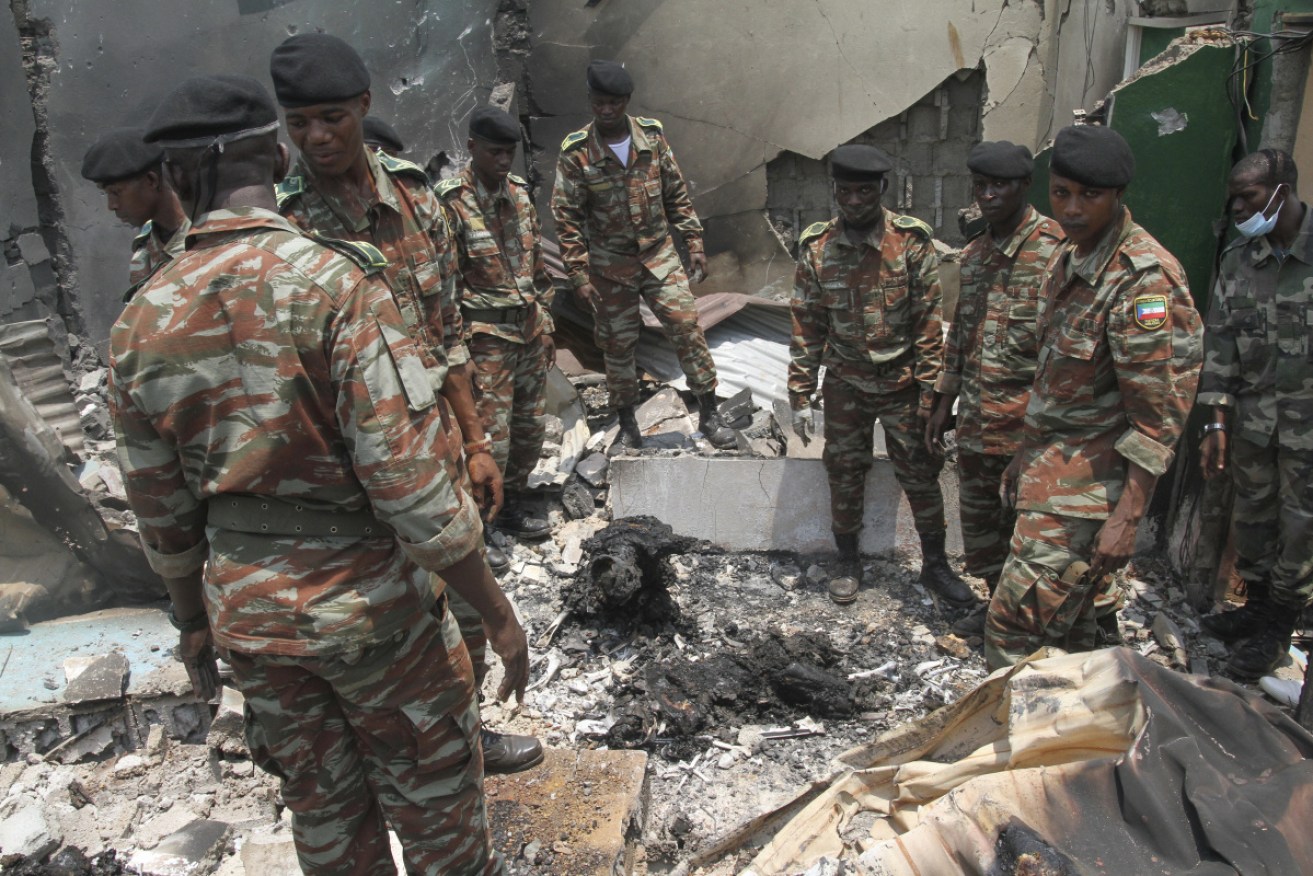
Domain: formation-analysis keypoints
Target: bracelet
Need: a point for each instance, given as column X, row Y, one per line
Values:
column 484, row 445
column 1214, row 427
column 196, row 624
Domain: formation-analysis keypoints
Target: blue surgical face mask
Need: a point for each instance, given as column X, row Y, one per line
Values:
column 1260, row 223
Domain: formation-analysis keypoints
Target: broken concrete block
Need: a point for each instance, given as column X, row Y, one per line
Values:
column 592, row 468
column 92, row 380
column 167, row 823
column 269, row 851
column 227, row 733
column 33, row 248
column 736, row 411
column 28, row 833
column 664, row 421
column 193, row 851
column 104, row 678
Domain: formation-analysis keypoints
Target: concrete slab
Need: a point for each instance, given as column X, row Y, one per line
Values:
column 193, row 851
column 767, row 504
column 576, row 813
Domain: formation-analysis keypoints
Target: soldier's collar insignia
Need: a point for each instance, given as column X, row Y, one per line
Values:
column 1151, row 311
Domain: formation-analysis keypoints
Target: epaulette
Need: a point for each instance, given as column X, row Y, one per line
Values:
column 911, row 223
column 401, row 166
column 816, row 229
column 369, row 257
column 1142, row 261
column 648, row 123
column 572, row 140
column 144, row 234
column 289, row 188
column 448, row 185
column 515, row 179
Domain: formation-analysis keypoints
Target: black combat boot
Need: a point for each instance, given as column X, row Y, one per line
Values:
column 629, row 432
column 1107, row 633
column 518, row 520
column 1243, row 621
column 847, row 577
column 497, row 559
column 1262, row 652
column 508, row 753
column 711, row 425
column 973, row 623
column 937, row 577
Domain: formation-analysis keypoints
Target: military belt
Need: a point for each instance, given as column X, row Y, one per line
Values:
column 496, row 315
column 265, row 515
column 884, row 369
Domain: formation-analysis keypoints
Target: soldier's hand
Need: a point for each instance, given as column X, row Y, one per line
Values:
column 1007, row 488
column 508, row 642
column 1212, row 454
column 587, row 295
column 487, row 481
column 196, row 651
column 697, row 264
column 939, row 425
column 1113, row 547
column 804, row 425
column 549, row 349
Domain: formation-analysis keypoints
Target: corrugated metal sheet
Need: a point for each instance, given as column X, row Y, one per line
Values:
column 30, row 353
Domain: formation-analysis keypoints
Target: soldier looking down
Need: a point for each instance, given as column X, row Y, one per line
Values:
column 1119, row 350
column 866, row 305
column 288, row 464
column 618, row 194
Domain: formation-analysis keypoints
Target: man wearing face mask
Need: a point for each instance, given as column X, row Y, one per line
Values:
column 866, row 305
column 1258, row 378
column 1119, row 351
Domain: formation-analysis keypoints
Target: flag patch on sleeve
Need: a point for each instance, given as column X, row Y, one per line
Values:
column 1151, row 311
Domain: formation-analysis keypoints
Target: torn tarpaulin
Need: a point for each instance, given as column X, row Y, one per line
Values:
column 1106, row 761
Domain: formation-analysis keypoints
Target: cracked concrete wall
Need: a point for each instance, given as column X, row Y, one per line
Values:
column 432, row 62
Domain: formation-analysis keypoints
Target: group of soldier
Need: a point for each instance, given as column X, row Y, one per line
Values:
column 330, row 375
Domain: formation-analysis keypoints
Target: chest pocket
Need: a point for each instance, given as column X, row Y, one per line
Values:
column 1019, row 326
column 1246, row 321
column 1067, row 367
column 895, row 298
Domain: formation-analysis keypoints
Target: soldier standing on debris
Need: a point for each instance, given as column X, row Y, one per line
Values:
column 506, row 300
column 129, row 172
column 287, row 462
column 866, row 304
column 1119, row 352
column 342, row 190
column 618, row 193
column 989, row 357
column 1258, row 378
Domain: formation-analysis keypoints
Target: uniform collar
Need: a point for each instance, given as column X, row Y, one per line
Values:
column 226, row 221
column 385, row 193
column 1092, row 268
column 1260, row 249
column 873, row 238
column 482, row 194
column 1011, row 244
column 598, row 152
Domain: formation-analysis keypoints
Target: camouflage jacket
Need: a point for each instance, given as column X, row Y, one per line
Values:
column 149, row 255
column 406, row 221
column 989, row 357
column 265, row 364
column 869, row 312
column 1120, row 347
column 606, row 212
column 1260, row 341
column 500, row 256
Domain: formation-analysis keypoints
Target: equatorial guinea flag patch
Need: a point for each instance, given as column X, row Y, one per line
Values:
column 1151, row 311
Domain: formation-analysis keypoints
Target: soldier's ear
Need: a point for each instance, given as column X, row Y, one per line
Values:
column 282, row 163
column 884, row 184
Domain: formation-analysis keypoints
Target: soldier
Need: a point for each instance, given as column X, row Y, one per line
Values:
column 618, row 192
column 380, row 135
column 1119, row 351
column 866, row 305
column 340, row 189
column 1258, row 378
column 128, row 171
column 506, row 300
column 303, row 437
column 989, row 358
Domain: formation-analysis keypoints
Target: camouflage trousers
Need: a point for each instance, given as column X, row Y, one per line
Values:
column 378, row 736
column 1272, row 519
column 850, row 417
column 510, row 382
column 986, row 523
column 617, row 323
column 1032, row 606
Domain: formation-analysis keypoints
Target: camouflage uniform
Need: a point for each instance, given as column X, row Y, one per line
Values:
column 870, row 313
column 149, row 255
column 613, row 224
column 312, row 397
column 1120, row 346
column 989, row 365
column 407, row 222
column 1260, row 364
column 506, row 304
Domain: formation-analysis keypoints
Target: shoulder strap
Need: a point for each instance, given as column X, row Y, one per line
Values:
column 816, row 229
column 911, row 223
column 368, row 257
column 573, row 140
column 289, row 188
column 448, row 185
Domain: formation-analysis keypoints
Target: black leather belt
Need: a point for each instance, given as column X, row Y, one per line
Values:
column 265, row 515
column 495, row 315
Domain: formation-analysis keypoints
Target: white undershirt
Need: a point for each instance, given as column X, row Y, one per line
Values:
column 621, row 149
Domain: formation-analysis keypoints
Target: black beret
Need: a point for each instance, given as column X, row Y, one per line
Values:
column 120, row 154
column 312, row 68
column 494, row 125
column 1000, row 160
column 379, row 132
column 204, row 110
column 1093, row 155
column 857, row 162
column 610, row 77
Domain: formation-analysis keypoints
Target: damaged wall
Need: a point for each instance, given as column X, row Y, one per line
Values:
column 432, row 62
